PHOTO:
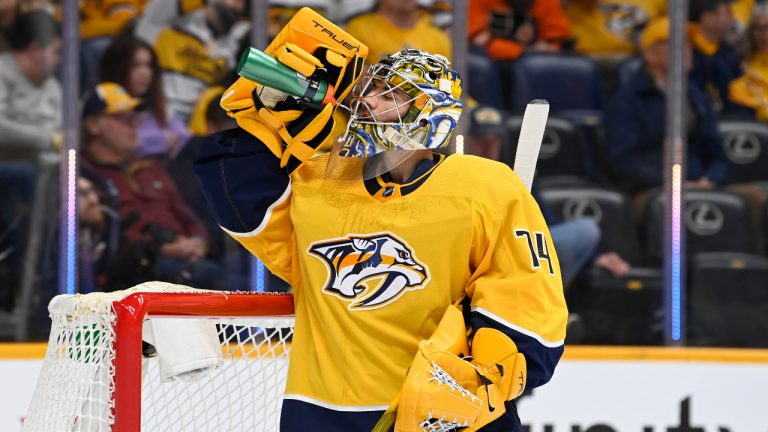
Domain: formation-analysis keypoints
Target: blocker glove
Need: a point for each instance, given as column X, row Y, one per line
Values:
column 314, row 47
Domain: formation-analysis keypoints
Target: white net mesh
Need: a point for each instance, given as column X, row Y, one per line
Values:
column 245, row 394
column 75, row 387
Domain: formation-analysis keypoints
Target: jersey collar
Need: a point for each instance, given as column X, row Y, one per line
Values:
column 383, row 189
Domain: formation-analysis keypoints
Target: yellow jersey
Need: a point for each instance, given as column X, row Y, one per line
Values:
column 100, row 18
column 190, row 55
column 374, row 264
column 751, row 89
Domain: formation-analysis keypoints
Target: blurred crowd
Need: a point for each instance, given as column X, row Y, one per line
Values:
column 152, row 72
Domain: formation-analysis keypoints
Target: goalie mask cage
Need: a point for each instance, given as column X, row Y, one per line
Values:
column 95, row 379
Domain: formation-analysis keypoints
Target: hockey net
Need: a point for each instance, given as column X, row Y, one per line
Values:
column 95, row 379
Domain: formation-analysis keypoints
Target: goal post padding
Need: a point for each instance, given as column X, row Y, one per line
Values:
column 95, row 379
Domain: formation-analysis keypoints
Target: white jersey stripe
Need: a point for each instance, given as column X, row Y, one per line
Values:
column 267, row 215
column 538, row 337
column 334, row 407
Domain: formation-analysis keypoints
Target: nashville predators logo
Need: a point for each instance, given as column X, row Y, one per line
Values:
column 371, row 270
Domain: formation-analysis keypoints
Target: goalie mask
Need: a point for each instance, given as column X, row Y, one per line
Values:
column 408, row 101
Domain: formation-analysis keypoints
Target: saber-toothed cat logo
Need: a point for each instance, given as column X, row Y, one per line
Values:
column 370, row 270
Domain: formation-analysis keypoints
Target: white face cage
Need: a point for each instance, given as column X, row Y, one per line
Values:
column 378, row 81
column 407, row 102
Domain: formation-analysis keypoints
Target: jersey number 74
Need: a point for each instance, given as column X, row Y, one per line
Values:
column 537, row 246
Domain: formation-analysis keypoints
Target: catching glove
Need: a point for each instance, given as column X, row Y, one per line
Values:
column 444, row 390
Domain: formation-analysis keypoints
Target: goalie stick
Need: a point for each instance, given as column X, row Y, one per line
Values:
column 529, row 143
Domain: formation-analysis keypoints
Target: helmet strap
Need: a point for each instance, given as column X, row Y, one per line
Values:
column 399, row 140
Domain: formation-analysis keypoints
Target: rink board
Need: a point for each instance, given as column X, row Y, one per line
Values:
column 652, row 390
column 593, row 390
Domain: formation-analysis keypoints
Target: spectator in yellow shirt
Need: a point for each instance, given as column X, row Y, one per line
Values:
column 107, row 17
column 751, row 89
column 395, row 25
column 196, row 42
column 281, row 11
column 742, row 12
column 610, row 27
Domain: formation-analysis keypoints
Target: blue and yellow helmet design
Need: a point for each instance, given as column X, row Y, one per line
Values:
column 420, row 81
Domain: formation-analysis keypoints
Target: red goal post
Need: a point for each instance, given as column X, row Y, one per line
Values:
column 94, row 377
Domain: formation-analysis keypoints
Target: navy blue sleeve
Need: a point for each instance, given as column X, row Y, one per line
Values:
column 540, row 358
column 240, row 179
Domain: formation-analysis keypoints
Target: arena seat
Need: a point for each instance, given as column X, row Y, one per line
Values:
column 728, row 297
column 558, row 181
column 608, row 207
column 746, row 145
column 715, row 221
column 620, row 311
column 483, row 80
column 563, row 149
column 570, row 83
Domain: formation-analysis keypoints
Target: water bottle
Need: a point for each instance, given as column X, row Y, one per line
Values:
column 264, row 69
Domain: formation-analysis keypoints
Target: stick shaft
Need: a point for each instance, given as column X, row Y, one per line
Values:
column 529, row 143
